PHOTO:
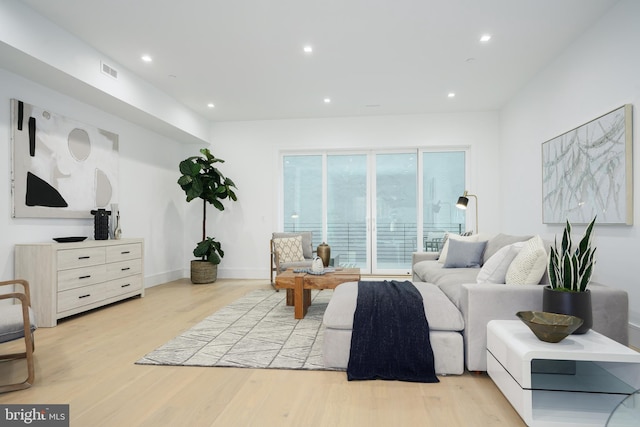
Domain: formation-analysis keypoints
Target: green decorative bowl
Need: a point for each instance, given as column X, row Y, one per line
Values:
column 549, row 327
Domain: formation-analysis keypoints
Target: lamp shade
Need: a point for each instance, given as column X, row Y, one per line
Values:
column 462, row 202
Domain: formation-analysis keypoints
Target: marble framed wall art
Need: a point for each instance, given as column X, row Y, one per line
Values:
column 62, row 168
column 588, row 171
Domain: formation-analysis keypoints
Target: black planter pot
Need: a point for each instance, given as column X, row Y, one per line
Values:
column 572, row 303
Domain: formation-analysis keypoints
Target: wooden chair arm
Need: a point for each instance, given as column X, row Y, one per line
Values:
column 25, row 287
column 275, row 256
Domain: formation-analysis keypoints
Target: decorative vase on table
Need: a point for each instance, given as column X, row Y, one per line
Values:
column 117, row 232
column 316, row 265
column 569, row 274
column 324, row 252
column 100, row 224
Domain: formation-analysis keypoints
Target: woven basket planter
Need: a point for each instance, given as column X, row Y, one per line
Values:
column 203, row 272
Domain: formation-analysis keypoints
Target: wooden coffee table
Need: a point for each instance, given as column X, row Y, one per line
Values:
column 299, row 286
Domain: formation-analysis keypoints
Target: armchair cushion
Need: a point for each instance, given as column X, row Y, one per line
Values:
column 289, row 249
column 11, row 323
column 307, row 241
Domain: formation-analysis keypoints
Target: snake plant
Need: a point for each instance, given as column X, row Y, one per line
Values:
column 570, row 270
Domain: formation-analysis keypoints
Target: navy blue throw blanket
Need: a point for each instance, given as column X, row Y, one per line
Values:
column 390, row 339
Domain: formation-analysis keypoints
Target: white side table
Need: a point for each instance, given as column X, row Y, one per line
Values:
column 578, row 381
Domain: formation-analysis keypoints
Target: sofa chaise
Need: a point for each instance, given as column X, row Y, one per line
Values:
column 518, row 260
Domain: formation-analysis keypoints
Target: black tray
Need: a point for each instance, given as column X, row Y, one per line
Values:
column 69, row 239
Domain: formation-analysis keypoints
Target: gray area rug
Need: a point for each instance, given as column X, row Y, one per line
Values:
column 256, row 331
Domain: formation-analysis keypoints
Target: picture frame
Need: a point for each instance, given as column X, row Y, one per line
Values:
column 588, row 172
column 62, row 168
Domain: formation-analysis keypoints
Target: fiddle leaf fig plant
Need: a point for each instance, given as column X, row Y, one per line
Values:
column 202, row 179
column 210, row 250
column 570, row 270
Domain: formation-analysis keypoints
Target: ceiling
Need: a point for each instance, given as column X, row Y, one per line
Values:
column 370, row 57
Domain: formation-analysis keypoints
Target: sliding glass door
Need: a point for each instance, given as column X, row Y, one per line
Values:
column 443, row 181
column 348, row 210
column 374, row 208
column 395, row 206
column 302, row 191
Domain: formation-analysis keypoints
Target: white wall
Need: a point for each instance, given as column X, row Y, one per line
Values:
column 252, row 152
column 150, row 202
column 598, row 73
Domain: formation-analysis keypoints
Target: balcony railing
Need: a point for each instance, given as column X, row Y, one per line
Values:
column 396, row 242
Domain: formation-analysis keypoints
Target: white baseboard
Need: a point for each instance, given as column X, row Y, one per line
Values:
column 158, row 279
column 224, row 273
column 237, row 273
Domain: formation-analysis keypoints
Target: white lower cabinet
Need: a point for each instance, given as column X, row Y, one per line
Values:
column 576, row 382
column 70, row 278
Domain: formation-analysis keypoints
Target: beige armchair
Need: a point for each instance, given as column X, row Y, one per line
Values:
column 280, row 261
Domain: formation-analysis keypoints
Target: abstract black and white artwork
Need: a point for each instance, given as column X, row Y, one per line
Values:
column 588, row 171
column 61, row 168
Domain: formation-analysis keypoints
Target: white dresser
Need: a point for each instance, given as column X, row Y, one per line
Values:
column 70, row 278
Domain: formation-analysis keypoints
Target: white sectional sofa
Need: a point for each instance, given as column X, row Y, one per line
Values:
column 481, row 302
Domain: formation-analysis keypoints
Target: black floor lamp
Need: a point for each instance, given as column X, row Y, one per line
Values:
column 464, row 200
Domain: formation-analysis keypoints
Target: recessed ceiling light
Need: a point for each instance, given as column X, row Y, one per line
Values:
column 308, row 49
column 146, row 58
column 451, row 95
column 327, row 100
column 485, row 38
column 210, row 105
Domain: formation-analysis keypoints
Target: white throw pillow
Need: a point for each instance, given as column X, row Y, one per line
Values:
column 445, row 248
column 528, row 267
column 496, row 267
column 289, row 248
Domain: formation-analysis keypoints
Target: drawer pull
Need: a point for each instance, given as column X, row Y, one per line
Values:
column 125, row 269
column 84, row 257
column 125, row 286
column 84, row 277
column 125, row 252
column 84, row 296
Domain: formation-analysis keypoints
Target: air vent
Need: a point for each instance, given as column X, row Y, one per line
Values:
column 109, row 70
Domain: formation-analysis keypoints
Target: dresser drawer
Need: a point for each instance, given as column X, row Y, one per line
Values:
column 116, row 270
column 123, row 286
column 124, row 252
column 74, row 258
column 84, row 276
column 74, row 298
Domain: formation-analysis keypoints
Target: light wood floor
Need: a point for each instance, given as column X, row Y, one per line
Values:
column 88, row 362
